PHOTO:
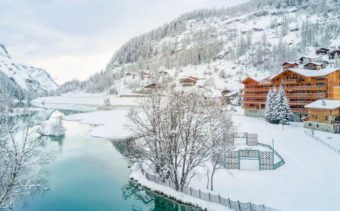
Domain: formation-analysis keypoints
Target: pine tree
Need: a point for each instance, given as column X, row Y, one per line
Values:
column 269, row 105
column 277, row 108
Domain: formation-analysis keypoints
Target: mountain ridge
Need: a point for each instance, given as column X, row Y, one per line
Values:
column 21, row 81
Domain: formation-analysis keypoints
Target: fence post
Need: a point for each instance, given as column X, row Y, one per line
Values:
column 168, row 182
column 239, row 205
column 229, row 203
column 190, row 191
column 209, row 196
column 199, row 193
column 251, row 208
column 219, row 199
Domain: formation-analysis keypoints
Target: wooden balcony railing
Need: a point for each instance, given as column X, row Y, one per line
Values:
column 299, row 110
column 306, row 88
column 299, row 102
column 289, row 81
column 255, row 95
column 260, row 89
column 307, row 95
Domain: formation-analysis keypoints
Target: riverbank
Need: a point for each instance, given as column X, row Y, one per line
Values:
column 139, row 177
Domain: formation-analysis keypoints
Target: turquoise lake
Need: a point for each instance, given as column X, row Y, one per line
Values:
column 89, row 174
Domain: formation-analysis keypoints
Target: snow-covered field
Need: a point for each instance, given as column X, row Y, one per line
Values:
column 308, row 181
column 83, row 102
column 107, row 124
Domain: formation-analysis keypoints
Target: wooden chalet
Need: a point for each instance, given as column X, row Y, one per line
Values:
column 290, row 65
column 302, row 87
column 322, row 51
column 323, row 115
column 314, row 65
column 304, row 60
column 189, row 81
column 334, row 54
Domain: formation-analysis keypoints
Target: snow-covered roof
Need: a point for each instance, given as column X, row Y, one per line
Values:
column 324, row 104
column 310, row 73
column 316, row 63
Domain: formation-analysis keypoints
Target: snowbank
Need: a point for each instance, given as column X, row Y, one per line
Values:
column 83, row 102
column 53, row 126
column 138, row 176
column 107, row 124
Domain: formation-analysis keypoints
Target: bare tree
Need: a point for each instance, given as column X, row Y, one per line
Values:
column 21, row 159
column 172, row 133
column 220, row 129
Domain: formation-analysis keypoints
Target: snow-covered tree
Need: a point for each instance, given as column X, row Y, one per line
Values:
column 219, row 127
column 21, row 159
column 173, row 134
column 269, row 113
column 277, row 107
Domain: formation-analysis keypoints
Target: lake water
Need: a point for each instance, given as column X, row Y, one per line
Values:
column 89, row 174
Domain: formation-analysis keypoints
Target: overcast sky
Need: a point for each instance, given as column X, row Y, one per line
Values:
column 73, row 39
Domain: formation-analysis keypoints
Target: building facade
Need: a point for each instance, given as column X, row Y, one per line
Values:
column 323, row 115
column 302, row 87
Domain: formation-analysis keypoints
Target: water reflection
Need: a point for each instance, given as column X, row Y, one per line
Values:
column 154, row 201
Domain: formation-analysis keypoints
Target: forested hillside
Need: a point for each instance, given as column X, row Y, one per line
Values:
column 222, row 46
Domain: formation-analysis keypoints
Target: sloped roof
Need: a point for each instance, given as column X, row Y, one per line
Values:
column 310, row 73
column 324, row 104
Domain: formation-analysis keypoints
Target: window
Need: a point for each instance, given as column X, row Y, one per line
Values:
column 310, row 124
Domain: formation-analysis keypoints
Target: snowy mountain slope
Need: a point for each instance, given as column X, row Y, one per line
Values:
column 222, row 46
column 25, row 79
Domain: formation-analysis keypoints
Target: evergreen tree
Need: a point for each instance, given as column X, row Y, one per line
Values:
column 269, row 105
column 277, row 108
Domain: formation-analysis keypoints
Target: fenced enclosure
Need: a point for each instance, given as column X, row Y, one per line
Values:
column 209, row 197
column 266, row 161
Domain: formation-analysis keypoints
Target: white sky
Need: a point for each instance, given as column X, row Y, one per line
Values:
column 73, row 39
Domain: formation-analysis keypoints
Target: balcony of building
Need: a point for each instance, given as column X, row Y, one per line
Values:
column 306, row 95
column 305, row 88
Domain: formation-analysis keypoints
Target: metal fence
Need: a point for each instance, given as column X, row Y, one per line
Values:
column 209, row 197
column 232, row 159
column 318, row 139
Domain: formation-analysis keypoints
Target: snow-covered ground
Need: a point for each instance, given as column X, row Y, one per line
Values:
column 308, row 181
column 107, row 124
column 83, row 102
column 140, row 178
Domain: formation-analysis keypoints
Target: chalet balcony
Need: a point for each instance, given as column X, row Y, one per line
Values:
column 293, row 103
column 289, row 81
column 264, row 96
column 306, row 88
column 307, row 95
column 299, row 110
column 262, row 89
column 254, row 102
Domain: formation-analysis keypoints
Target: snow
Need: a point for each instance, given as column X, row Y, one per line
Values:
column 107, row 124
column 140, row 178
column 22, row 74
column 308, row 180
column 324, row 104
column 53, row 126
column 310, row 73
column 83, row 102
